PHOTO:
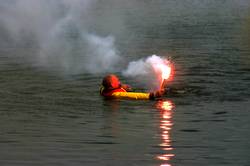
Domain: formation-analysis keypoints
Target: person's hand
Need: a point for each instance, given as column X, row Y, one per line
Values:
column 157, row 94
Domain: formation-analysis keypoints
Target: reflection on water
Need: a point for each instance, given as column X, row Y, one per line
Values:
column 166, row 123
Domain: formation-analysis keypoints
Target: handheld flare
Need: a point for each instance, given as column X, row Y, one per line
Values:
column 163, row 70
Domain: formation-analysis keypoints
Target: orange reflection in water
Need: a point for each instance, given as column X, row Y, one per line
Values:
column 166, row 109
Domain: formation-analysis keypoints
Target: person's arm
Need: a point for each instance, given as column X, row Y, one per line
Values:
column 137, row 95
column 131, row 95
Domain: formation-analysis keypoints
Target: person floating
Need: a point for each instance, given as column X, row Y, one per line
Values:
column 112, row 88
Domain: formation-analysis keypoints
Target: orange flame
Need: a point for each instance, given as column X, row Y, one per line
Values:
column 163, row 70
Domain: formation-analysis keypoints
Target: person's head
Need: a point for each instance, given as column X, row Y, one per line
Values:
column 111, row 82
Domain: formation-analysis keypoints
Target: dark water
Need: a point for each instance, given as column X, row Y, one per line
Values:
column 46, row 119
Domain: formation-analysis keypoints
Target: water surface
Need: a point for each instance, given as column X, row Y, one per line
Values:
column 49, row 119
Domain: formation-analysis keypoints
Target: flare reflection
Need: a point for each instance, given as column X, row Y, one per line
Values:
column 166, row 123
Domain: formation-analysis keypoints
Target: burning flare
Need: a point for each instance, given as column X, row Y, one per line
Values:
column 163, row 69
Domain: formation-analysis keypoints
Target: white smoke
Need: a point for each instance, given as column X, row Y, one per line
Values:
column 143, row 70
column 143, row 67
column 62, row 33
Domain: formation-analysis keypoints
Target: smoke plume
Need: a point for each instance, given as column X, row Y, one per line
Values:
column 61, row 32
column 144, row 71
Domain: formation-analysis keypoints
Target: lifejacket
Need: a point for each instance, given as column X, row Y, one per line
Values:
column 109, row 92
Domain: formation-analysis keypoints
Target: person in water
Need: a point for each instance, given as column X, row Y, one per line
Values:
column 112, row 88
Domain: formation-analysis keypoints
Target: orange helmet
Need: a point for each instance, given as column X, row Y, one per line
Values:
column 111, row 81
